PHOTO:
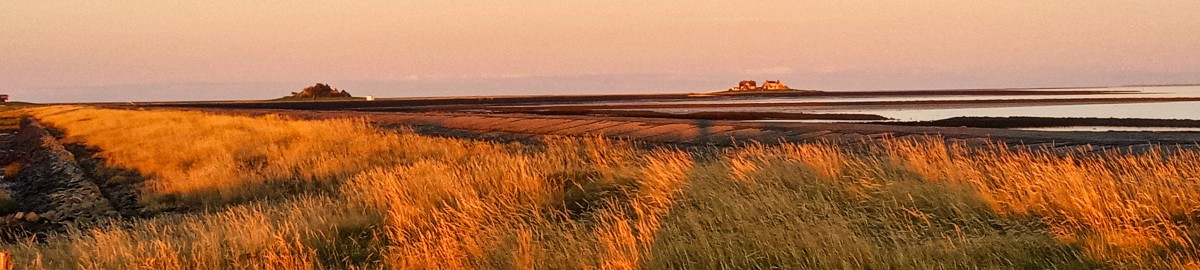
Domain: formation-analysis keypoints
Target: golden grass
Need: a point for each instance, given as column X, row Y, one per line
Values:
column 1126, row 208
column 363, row 198
column 198, row 158
column 12, row 169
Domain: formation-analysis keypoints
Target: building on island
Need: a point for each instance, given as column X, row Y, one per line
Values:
column 746, row 86
column 774, row 85
column 749, row 85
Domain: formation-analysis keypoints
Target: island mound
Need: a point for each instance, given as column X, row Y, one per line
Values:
column 319, row 91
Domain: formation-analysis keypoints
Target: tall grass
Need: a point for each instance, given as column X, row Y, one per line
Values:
column 1126, row 208
column 359, row 197
column 196, row 158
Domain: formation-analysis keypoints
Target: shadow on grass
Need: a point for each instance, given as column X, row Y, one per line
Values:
column 786, row 216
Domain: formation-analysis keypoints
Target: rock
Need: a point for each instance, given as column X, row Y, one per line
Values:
column 32, row 217
column 19, row 215
column 50, row 215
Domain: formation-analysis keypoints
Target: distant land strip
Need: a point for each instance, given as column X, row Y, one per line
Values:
column 575, row 99
column 1057, row 101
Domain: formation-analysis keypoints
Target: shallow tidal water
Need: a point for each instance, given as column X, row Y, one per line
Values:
column 1189, row 110
column 1153, row 110
column 1118, row 129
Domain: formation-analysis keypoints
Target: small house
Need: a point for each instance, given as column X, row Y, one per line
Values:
column 774, row 85
column 746, row 85
column 749, row 85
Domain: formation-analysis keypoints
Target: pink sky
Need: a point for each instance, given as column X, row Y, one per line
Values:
column 117, row 50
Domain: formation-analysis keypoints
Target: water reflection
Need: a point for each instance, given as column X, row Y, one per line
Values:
column 1189, row 110
column 1158, row 110
column 1108, row 129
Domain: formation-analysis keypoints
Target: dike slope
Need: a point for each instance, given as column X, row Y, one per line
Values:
column 51, row 189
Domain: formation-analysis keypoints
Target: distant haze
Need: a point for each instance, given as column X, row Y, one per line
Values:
column 57, row 51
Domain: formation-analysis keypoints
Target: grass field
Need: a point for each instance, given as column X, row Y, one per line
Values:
column 277, row 193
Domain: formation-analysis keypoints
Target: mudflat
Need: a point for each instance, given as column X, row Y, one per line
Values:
column 641, row 117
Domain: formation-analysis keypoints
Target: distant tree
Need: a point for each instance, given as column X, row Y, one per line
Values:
column 320, row 90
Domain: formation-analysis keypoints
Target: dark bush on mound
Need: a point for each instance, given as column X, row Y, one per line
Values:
column 320, row 90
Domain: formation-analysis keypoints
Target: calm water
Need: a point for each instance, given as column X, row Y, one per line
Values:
column 1106, row 129
column 1158, row 110
column 1153, row 110
column 1145, row 92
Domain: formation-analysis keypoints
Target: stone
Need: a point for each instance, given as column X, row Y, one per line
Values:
column 50, row 215
column 32, row 217
column 19, row 215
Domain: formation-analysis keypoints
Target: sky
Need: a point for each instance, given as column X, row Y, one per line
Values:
column 124, row 50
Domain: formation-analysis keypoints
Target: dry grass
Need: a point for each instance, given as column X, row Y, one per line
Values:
column 197, row 158
column 364, row 198
column 1130, row 209
column 12, row 169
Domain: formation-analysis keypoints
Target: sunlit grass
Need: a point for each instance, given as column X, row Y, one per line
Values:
column 356, row 196
column 196, row 158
